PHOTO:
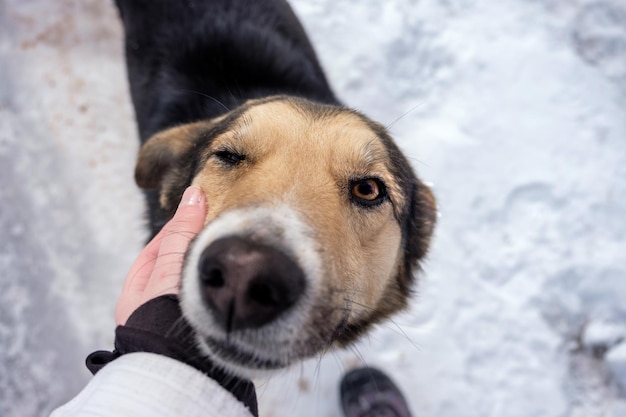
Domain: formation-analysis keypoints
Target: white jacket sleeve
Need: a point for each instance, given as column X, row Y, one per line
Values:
column 151, row 385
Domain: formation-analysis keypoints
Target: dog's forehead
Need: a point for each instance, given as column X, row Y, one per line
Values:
column 338, row 136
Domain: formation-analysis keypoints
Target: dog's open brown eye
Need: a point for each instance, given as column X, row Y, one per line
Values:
column 368, row 191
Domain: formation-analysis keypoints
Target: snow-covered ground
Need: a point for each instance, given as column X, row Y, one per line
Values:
column 514, row 109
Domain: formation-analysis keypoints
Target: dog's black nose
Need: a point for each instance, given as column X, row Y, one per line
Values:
column 247, row 284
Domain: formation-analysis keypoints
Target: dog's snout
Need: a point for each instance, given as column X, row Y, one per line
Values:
column 247, row 284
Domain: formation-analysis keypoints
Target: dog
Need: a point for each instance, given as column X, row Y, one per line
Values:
column 316, row 222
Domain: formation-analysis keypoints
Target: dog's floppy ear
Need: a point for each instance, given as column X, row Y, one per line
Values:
column 421, row 220
column 425, row 217
column 160, row 153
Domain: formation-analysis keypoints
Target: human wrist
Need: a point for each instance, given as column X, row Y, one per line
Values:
column 158, row 326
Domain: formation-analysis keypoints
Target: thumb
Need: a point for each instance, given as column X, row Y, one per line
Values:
column 178, row 232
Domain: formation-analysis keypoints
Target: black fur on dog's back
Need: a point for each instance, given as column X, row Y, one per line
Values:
column 190, row 60
column 182, row 68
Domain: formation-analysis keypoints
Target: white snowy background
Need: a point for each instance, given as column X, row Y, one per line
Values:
column 515, row 110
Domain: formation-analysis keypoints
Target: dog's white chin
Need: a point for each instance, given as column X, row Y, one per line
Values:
column 277, row 343
column 259, row 368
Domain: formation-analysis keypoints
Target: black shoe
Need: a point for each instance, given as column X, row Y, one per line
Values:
column 367, row 392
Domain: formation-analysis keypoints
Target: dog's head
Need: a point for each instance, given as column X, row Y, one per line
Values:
column 315, row 226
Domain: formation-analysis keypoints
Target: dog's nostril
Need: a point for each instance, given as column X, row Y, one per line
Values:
column 214, row 277
column 264, row 294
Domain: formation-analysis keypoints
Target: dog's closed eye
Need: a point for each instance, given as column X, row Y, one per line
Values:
column 229, row 157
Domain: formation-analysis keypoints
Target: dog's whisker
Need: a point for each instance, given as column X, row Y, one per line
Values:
column 404, row 334
column 340, row 364
column 398, row 328
column 317, row 373
column 358, row 354
column 207, row 96
column 352, row 301
column 417, row 161
column 356, row 303
column 403, row 115
column 232, row 96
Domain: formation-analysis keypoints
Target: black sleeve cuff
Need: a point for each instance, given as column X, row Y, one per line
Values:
column 159, row 327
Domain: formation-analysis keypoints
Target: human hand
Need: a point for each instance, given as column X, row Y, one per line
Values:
column 157, row 269
column 157, row 326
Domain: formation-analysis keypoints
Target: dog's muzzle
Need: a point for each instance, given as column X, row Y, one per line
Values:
column 250, row 283
column 247, row 284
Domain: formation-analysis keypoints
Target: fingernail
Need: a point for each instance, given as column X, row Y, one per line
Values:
column 191, row 197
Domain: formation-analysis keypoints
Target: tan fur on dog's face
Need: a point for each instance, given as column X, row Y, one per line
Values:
column 304, row 160
column 308, row 165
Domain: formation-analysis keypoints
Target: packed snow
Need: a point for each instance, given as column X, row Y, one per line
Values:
column 514, row 110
